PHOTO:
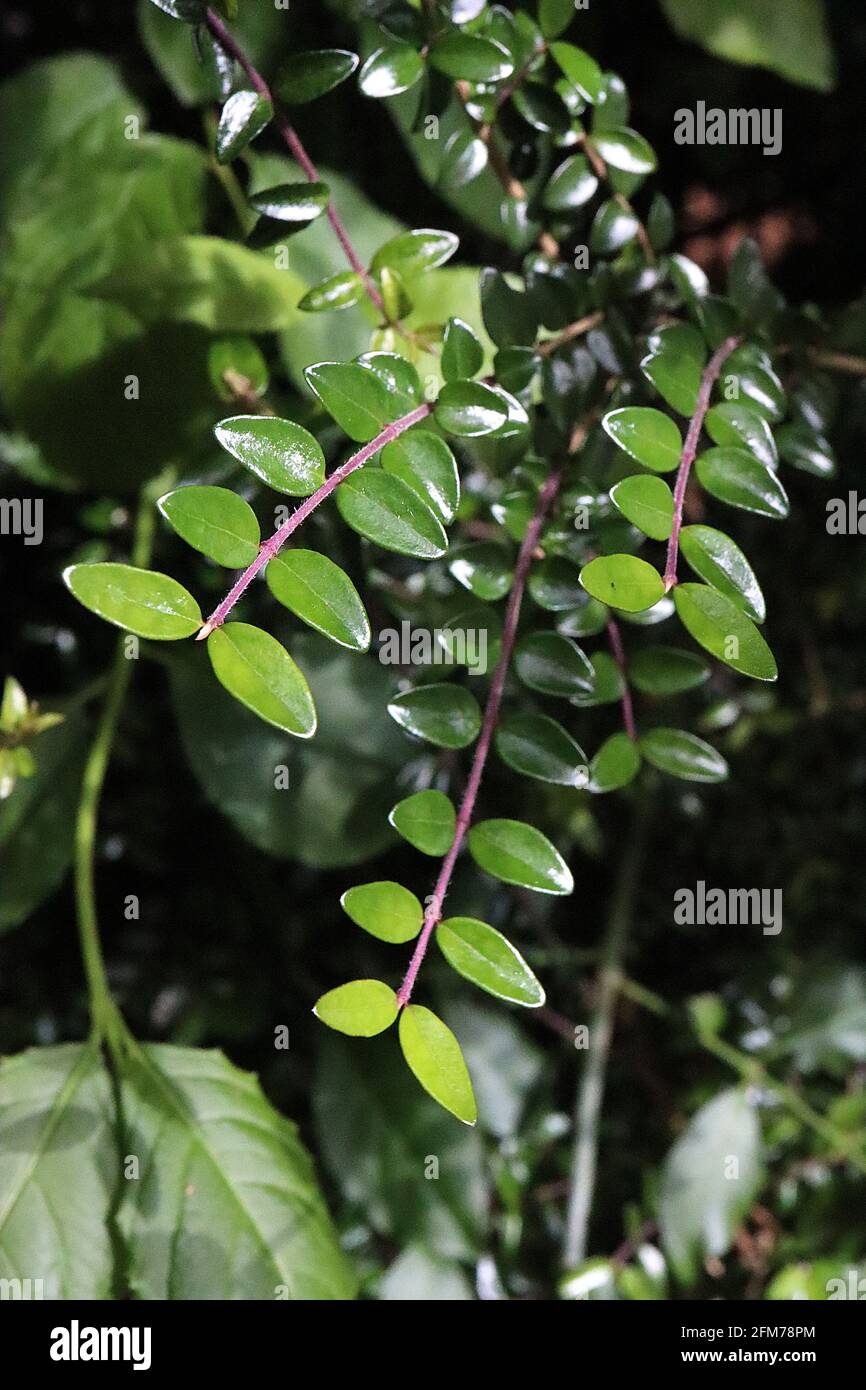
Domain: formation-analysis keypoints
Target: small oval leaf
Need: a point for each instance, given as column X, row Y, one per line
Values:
column 483, row 955
column 281, row 453
column 144, row 602
column 518, row 853
column 385, row 909
column 433, row 1055
column 258, row 671
column 361, row 1008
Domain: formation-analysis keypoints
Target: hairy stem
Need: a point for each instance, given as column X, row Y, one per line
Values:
column 227, row 41
column 433, row 914
column 590, row 1093
column 615, row 638
column 275, row 543
column 690, row 448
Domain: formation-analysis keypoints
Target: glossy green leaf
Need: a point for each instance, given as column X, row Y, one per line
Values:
column 284, row 455
column 413, row 253
column 298, row 203
column 215, row 521
column 750, row 369
column 616, row 763
column 722, row 628
column 737, row 424
column 736, row 477
column 674, row 363
column 554, row 17
column 622, row 581
column 553, row 664
column 433, row 1055
column 554, row 583
column 339, row 291
column 607, row 686
column 390, row 70
column 427, row 820
column 398, row 376
column 462, row 353
column 579, row 69
column 483, row 955
column 537, row 746
column 389, row 512
column 354, row 395
column 485, row 568
column 321, row 594
column 518, row 853
column 806, row 449
column 646, row 435
column 612, row 228
column 243, row 117
column 361, row 1008
column 470, row 57
column 444, row 714
column 647, row 503
column 721, row 562
column 571, row 185
column 469, row 409
column 386, row 910
column 424, row 462
column 144, row 602
column 683, row 755
column 666, row 670
column 624, row 149
column 304, row 77
column 258, row 671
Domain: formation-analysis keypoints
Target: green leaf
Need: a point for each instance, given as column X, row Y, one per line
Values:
column 385, row 510
column 226, row 1204
column 259, row 672
column 384, row 909
column 243, row 117
column 484, row 568
column 304, row 77
column 571, row 185
column 751, row 370
column 510, row 315
column 483, row 955
column 542, row 108
column 140, row 601
column 296, row 203
column 554, row 17
column 722, row 628
column 59, row 1169
column 647, row 503
column 622, row 581
column 433, row 1055
column 625, row 150
column 721, row 562
column 683, row 755
column 339, row 291
column 413, row 253
column 674, row 363
column 616, row 763
column 612, row 228
column 281, row 453
column 361, row 1008
column 734, row 423
column 354, row 395
column 608, row 684
column 790, row 37
column 579, row 69
column 704, row 1196
column 215, row 521
column 539, row 747
column 427, row 820
column 390, row 70
column 472, row 58
column 444, row 714
column 666, row 670
column 424, row 463
column 553, row 664
column 399, row 378
column 321, row 594
column 806, row 449
column 736, row 477
column 236, row 358
column 554, row 583
column 518, row 853
column 462, row 353
column 469, row 409
column 646, row 435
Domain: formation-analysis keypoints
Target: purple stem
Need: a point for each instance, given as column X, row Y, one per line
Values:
column 690, row 448
column 226, row 40
column 275, row 543
column 615, row 639
column 433, row 914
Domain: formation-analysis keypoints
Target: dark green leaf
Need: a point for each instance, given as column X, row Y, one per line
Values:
column 244, row 116
column 612, row 228
column 354, row 395
column 424, row 463
column 298, row 203
column 736, row 477
column 647, row 503
column 462, row 353
column 390, row 70
column 554, row 17
column 444, row 714
column 624, row 149
column 471, row 58
column 413, row 253
column 616, row 763
column 281, row 453
column 674, row 362
column 554, row 583
column 734, row 423
column 683, row 755
column 553, row 664
column 387, row 511
column 646, row 435
column 484, row 568
column 666, row 670
column 469, row 409
column 321, row 594
column 539, row 747
column 806, row 449
column 721, row 562
column 722, row 628
column 303, row 77
column 572, row 185
column 339, row 291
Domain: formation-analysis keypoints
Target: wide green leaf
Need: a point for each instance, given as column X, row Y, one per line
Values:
column 736, row 424
column 721, row 562
column 518, row 853
column 149, row 604
column 554, row 583
column 647, row 503
column 625, row 150
column 444, row 714
column 485, row 568
column 427, row 820
column 537, row 746
column 646, row 435
column 433, row 1055
column 413, row 252
column 719, row 625
column 354, row 396
column 390, row 70
column 384, row 909
column 259, row 672
column 483, row 955
column 579, row 69
column 469, row 409
column 571, row 185
column 553, row 664
column 462, row 352
column 295, row 203
column 666, row 670
column 304, row 77
column 683, row 755
column 386, row 510
column 361, row 1008
column 243, row 117
column 554, row 17
column 616, row 763
column 424, row 463
column 674, row 363
column 284, row 455
column 215, row 521
column 470, row 57
column 736, row 477
column 321, row 594
column 623, row 581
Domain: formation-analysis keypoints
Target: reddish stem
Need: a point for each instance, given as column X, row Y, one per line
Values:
column 616, row 646
column 227, row 41
column 690, row 448
column 433, row 914
column 275, row 543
